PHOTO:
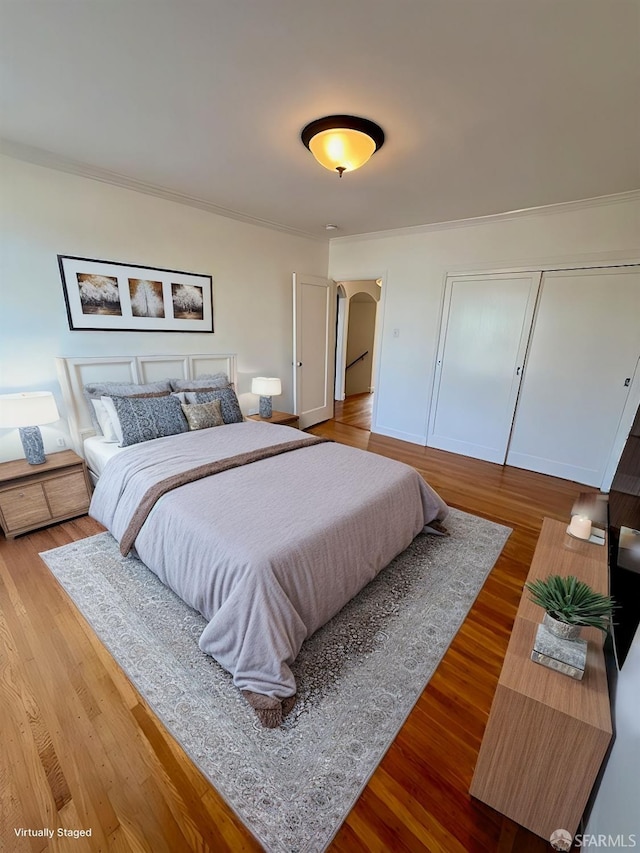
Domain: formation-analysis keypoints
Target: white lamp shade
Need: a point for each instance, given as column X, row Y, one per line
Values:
column 30, row 408
column 266, row 386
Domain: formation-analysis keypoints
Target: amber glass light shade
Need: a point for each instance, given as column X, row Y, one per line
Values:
column 342, row 143
column 342, row 149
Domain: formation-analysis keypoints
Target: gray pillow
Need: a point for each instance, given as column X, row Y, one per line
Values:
column 206, row 380
column 145, row 418
column 229, row 405
column 95, row 390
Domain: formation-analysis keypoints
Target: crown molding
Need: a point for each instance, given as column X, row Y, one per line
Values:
column 41, row 157
column 542, row 210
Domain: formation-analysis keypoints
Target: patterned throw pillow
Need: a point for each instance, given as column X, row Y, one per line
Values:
column 144, row 418
column 205, row 382
column 231, row 413
column 203, row 415
column 95, row 390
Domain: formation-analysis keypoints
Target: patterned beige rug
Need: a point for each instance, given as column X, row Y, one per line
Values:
column 358, row 677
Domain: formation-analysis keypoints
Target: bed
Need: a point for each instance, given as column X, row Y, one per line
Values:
column 266, row 531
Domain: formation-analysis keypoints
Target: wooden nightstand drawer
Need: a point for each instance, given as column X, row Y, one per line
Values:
column 67, row 494
column 24, row 506
column 33, row 496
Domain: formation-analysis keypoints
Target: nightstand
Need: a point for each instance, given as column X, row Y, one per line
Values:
column 282, row 418
column 33, row 496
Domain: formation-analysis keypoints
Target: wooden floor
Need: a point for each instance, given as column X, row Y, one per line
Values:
column 81, row 750
column 355, row 411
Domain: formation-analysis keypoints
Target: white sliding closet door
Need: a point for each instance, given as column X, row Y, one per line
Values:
column 483, row 341
column 584, row 352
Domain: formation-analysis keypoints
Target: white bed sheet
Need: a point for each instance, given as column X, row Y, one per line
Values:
column 97, row 452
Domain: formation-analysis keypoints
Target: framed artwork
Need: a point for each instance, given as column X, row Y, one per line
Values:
column 111, row 297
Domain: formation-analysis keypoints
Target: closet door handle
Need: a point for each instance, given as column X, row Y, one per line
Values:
column 518, row 369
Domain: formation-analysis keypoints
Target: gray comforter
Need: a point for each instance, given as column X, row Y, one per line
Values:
column 270, row 551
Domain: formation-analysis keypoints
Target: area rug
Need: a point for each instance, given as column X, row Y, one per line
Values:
column 358, row 677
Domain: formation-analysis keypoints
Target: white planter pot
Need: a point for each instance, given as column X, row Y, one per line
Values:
column 561, row 629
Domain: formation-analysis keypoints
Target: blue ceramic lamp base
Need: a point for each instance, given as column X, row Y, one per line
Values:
column 31, row 438
column 266, row 409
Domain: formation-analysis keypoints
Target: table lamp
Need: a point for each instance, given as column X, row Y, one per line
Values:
column 267, row 387
column 27, row 411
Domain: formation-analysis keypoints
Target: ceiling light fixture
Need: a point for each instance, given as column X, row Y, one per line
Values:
column 342, row 143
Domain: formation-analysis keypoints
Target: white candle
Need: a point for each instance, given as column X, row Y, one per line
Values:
column 580, row 526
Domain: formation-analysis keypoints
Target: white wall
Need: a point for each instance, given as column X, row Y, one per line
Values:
column 46, row 213
column 413, row 264
column 617, row 803
column 360, row 337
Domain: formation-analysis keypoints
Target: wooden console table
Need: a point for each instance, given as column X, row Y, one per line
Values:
column 547, row 734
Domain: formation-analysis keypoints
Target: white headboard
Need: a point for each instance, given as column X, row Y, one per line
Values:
column 74, row 373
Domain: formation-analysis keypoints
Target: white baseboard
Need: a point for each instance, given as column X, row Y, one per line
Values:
column 402, row 436
column 585, row 476
column 465, row 448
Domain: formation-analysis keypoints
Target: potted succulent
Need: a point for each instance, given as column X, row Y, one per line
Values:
column 569, row 605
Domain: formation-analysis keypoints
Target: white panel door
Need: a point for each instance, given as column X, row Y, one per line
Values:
column 584, row 351
column 314, row 348
column 483, row 342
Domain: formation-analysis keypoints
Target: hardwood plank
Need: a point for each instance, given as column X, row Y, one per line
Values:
column 354, row 411
column 61, row 718
column 138, row 790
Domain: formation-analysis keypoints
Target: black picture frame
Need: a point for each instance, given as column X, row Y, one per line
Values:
column 109, row 296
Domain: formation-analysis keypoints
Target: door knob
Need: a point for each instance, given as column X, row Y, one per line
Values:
column 298, row 364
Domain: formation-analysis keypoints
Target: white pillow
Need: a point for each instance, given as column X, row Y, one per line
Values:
column 115, row 429
column 104, row 419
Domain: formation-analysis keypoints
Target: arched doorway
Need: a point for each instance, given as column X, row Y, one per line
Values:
column 356, row 332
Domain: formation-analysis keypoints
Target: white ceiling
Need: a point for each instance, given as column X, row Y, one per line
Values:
column 488, row 105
